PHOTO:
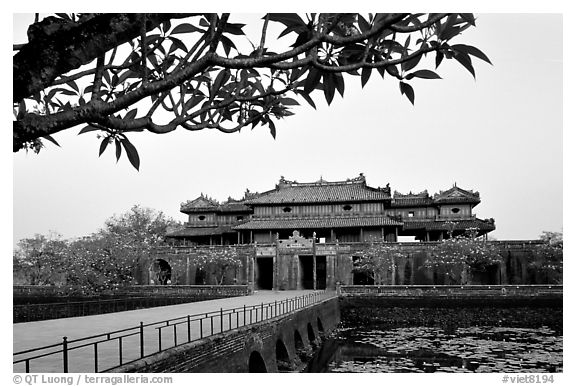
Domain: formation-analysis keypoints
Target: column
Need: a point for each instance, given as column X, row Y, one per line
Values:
column 314, row 270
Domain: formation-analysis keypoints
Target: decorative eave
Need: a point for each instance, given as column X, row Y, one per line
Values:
column 200, row 231
column 483, row 226
column 456, row 195
column 201, row 204
column 318, row 222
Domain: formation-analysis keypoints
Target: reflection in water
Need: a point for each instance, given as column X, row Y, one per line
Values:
column 430, row 349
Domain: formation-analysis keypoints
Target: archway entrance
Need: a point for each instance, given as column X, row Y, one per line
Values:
column 265, row 273
column 320, row 272
column 306, row 272
column 161, row 272
column 256, row 363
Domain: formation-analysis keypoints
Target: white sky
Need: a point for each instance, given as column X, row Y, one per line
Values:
column 500, row 134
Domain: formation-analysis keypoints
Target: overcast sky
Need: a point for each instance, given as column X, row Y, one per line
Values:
column 500, row 134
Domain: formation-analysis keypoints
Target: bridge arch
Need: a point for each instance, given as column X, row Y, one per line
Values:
column 256, row 363
column 282, row 356
column 311, row 334
column 320, row 326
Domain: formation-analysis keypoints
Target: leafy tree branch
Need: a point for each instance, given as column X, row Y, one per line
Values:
column 198, row 72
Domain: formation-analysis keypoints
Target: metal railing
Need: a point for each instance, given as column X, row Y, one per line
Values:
column 106, row 351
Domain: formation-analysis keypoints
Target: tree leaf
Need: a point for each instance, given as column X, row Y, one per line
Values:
column 410, row 64
column 87, row 128
column 288, row 19
column 131, row 152
column 468, row 17
column 178, row 44
column 329, row 86
column 465, row 60
column 186, row 28
column 312, row 80
column 103, row 145
column 221, row 78
column 49, row 138
column 471, row 51
column 272, row 128
column 363, row 24
column 407, row 90
column 424, row 74
column 439, row 57
column 288, row 102
column 309, row 100
column 234, row 28
column 72, row 84
column 392, row 70
column 131, row 114
column 227, row 44
column 118, row 149
column 339, row 80
column 366, row 72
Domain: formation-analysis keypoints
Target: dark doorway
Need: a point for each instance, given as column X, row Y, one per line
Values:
column 265, row 273
column 320, row 272
column 256, row 363
column 162, row 272
column 360, row 277
column 200, row 276
column 307, row 272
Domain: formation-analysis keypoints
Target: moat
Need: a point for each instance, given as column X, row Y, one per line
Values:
column 447, row 340
column 427, row 350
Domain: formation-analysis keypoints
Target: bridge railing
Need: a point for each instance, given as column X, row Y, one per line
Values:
column 106, row 351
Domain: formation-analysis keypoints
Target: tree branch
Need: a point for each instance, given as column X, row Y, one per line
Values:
column 49, row 55
column 97, row 84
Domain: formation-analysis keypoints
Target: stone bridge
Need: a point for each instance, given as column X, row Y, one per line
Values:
column 283, row 343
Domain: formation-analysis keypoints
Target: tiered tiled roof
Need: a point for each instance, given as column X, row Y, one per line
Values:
column 205, row 204
column 411, row 199
column 234, row 206
column 201, row 204
column 318, row 222
column 290, row 192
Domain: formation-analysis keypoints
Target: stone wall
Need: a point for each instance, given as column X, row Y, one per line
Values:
column 238, row 350
column 450, row 308
column 33, row 303
column 288, row 261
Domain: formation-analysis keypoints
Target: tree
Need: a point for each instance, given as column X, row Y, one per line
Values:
column 547, row 258
column 114, row 74
column 41, row 260
column 378, row 260
column 218, row 261
column 461, row 254
column 115, row 255
column 109, row 258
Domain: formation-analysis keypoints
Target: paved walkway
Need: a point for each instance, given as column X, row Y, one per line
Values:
column 42, row 333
